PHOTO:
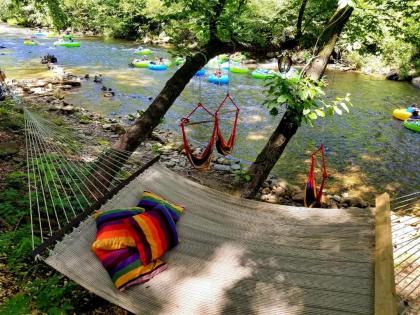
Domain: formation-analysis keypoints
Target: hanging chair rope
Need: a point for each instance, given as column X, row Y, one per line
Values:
column 225, row 147
column 201, row 161
column 312, row 196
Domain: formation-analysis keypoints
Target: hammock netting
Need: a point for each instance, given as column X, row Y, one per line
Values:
column 64, row 179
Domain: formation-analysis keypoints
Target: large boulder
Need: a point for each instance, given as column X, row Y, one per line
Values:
column 416, row 82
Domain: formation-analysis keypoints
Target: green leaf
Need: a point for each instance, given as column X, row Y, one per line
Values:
column 337, row 110
column 320, row 113
column 248, row 177
column 306, row 111
column 312, row 116
column 303, row 95
column 282, row 99
column 345, row 107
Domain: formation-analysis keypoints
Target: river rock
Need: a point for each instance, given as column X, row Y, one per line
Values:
column 279, row 191
column 298, row 197
column 169, row 163
column 355, row 202
column 235, row 167
column 221, row 167
column 8, row 149
column 224, row 161
column 336, row 198
column 118, row 129
column 272, row 198
column 416, row 81
column 265, row 185
column 266, row 191
column 106, row 126
column 68, row 109
column 292, row 190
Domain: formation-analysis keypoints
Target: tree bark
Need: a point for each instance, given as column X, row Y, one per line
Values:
column 300, row 19
column 289, row 123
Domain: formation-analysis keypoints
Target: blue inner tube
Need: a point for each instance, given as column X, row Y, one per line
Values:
column 159, row 67
column 200, row 73
column 224, row 79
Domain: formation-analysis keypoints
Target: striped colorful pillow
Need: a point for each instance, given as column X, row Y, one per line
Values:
column 130, row 246
column 151, row 200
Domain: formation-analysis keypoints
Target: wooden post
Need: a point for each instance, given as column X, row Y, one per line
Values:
column 385, row 296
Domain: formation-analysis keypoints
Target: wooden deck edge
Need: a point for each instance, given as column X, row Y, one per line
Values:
column 385, row 296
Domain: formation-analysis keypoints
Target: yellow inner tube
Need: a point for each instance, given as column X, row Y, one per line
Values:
column 401, row 114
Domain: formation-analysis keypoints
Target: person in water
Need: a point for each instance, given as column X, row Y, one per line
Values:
column 218, row 73
column 415, row 114
column 413, row 107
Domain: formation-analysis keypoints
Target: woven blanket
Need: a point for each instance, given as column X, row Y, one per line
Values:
column 129, row 243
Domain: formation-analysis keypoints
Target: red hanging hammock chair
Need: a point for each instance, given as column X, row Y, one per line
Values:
column 201, row 161
column 225, row 147
column 312, row 196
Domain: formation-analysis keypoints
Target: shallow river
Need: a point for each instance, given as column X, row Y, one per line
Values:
column 367, row 150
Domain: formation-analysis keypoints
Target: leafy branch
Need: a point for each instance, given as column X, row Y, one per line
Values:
column 303, row 97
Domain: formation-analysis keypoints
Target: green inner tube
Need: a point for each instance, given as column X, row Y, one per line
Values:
column 412, row 124
column 30, row 43
column 67, row 44
column 143, row 52
column 235, row 69
column 141, row 64
column 262, row 74
column 67, row 36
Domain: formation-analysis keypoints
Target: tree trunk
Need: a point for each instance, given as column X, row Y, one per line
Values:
column 288, row 125
column 269, row 156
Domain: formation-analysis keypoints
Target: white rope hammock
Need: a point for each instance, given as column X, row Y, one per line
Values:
column 405, row 222
column 65, row 182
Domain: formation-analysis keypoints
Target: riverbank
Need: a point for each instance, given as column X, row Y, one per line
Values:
column 367, row 67
column 225, row 173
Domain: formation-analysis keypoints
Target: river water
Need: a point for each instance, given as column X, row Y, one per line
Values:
column 367, row 150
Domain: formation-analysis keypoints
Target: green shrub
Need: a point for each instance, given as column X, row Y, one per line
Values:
column 18, row 304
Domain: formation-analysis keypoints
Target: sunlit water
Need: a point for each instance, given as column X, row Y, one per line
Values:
column 367, row 150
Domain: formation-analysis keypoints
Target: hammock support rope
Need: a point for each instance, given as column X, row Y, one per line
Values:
column 312, row 196
column 225, row 147
column 201, row 161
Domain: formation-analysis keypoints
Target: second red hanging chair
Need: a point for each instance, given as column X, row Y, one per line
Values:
column 225, row 147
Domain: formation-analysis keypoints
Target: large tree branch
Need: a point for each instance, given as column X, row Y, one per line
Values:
column 218, row 8
column 300, row 19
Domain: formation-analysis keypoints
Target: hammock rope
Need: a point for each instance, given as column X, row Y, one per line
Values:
column 312, row 195
column 406, row 247
column 65, row 184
